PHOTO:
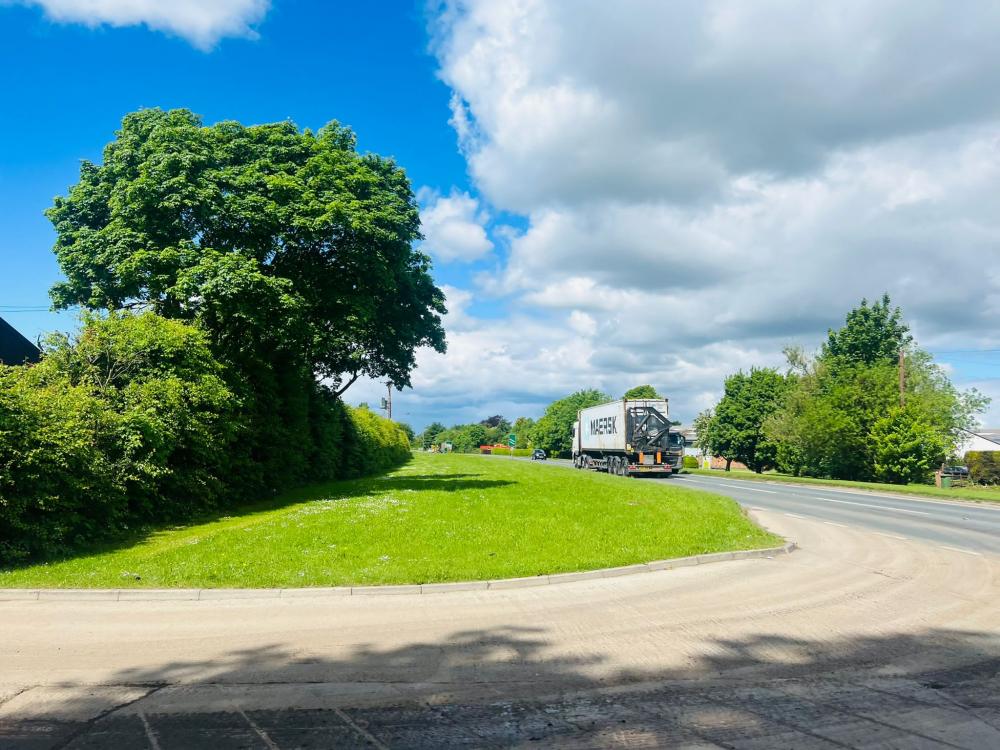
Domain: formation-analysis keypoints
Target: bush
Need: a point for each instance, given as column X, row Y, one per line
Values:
column 905, row 450
column 984, row 466
column 132, row 423
column 690, row 462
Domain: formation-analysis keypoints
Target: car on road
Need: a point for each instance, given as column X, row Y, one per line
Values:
column 538, row 455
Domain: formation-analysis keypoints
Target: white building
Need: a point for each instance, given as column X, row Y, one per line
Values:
column 986, row 439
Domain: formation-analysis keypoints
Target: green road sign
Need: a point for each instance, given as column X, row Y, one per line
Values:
column 512, row 440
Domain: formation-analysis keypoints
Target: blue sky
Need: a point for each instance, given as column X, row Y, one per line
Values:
column 612, row 193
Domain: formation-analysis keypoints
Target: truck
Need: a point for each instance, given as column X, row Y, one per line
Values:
column 628, row 437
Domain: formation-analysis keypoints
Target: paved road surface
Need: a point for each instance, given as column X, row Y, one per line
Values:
column 966, row 526
column 857, row 640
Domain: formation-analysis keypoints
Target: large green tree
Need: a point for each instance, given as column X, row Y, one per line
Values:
column 834, row 421
column 871, row 334
column 278, row 240
column 553, row 432
column 735, row 430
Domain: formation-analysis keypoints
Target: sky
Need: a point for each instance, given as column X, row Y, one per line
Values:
column 612, row 193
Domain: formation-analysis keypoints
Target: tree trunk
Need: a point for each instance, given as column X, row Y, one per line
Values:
column 728, row 462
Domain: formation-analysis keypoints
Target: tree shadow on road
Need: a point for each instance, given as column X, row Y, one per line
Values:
column 505, row 687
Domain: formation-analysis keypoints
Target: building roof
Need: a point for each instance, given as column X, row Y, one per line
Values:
column 15, row 349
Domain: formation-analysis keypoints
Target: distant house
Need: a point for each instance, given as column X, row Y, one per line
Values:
column 986, row 439
column 15, row 349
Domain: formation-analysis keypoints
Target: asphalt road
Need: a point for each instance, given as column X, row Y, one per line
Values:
column 964, row 526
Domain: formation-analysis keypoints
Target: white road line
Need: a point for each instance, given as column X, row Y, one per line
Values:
column 891, row 536
column 964, row 551
column 834, row 523
column 795, row 515
column 750, row 489
column 869, row 505
column 154, row 743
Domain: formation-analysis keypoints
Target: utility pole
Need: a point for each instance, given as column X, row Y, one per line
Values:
column 902, row 378
column 389, row 400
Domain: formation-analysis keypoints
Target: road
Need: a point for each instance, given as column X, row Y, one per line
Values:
column 859, row 639
column 965, row 526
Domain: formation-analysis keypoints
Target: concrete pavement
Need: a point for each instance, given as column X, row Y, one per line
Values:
column 859, row 639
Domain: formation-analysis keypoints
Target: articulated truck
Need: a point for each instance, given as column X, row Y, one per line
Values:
column 628, row 437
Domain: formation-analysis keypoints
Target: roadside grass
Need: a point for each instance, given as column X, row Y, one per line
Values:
column 978, row 494
column 439, row 518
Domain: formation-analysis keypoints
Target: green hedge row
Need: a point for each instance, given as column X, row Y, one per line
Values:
column 984, row 466
column 133, row 423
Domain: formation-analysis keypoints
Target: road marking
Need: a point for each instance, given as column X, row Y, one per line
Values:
column 834, row 523
column 360, row 730
column 150, row 734
column 891, row 536
column 271, row 745
column 869, row 505
column 964, row 551
column 795, row 515
column 750, row 489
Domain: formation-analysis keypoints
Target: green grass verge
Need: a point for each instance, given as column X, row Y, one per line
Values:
column 980, row 494
column 439, row 518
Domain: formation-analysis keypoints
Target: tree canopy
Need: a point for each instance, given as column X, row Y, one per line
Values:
column 871, row 334
column 274, row 238
column 736, row 429
column 553, row 432
column 642, row 391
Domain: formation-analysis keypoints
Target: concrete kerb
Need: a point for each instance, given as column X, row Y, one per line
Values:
column 409, row 589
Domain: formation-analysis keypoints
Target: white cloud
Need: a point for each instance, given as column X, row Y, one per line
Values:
column 453, row 226
column 705, row 182
column 201, row 22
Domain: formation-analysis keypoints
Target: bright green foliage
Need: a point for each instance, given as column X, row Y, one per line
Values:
column 440, row 518
column 466, row 438
column 430, row 434
column 904, row 449
column 128, row 423
column 642, row 391
column 523, row 427
column 736, row 429
column 827, row 427
column 206, row 222
column 984, row 466
column 57, row 472
column 131, row 423
column 871, row 335
column 553, row 432
column 690, row 462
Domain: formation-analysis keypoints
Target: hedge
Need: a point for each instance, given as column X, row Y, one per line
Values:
column 984, row 466
column 132, row 423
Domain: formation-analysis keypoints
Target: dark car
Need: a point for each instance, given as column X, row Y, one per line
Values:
column 958, row 472
column 538, row 455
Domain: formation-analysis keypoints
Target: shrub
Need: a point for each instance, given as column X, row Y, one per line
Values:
column 132, row 423
column 690, row 462
column 984, row 466
column 57, row 475
column 905, row 449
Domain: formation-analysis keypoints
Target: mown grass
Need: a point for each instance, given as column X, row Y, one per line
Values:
column 439, row 518
column 980, row 494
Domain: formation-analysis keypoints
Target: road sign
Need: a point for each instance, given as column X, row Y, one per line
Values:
column 512, row 440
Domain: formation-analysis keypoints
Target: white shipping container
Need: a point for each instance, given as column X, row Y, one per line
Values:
column 605, row 427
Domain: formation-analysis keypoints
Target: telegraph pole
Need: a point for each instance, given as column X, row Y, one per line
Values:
column 388, row 401
column 902, row 378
